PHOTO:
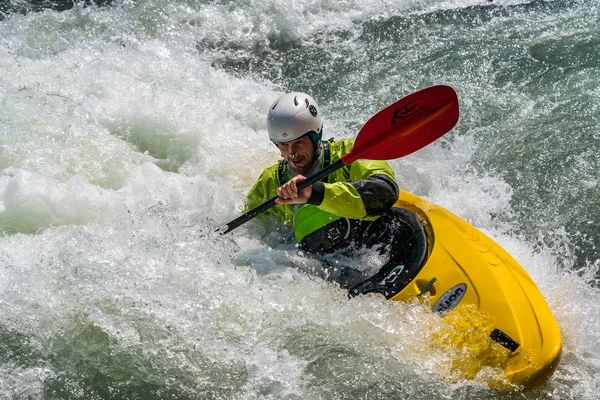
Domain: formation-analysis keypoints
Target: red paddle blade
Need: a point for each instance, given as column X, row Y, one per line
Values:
column 407, row 125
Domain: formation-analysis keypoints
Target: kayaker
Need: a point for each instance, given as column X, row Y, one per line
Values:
column 350, row 209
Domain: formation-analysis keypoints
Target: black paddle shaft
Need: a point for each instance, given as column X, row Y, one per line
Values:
column 271, row 202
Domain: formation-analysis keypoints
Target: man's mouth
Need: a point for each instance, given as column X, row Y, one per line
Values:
column 297, row 161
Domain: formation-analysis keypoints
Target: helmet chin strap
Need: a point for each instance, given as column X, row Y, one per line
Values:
column 316, row 156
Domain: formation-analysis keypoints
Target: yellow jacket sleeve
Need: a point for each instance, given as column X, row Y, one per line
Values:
column 363, row 190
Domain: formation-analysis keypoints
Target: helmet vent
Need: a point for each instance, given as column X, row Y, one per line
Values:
column 296, row 101
column 274, row 105
column 307, row 103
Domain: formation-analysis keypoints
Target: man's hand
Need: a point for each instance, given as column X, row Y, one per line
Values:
column 288, row 193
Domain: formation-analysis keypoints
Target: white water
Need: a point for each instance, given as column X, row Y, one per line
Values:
column 122, row 148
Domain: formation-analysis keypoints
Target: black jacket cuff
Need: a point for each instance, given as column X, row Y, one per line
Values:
column 318, row 194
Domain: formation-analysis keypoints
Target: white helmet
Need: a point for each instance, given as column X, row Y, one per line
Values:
column 292, row 116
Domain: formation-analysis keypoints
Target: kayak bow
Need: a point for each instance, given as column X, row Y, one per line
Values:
column 468, row 272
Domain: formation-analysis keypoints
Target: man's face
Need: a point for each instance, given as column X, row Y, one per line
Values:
column 298, row 153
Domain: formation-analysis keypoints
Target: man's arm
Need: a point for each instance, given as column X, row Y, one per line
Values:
column 372, row 192
column 264, row 189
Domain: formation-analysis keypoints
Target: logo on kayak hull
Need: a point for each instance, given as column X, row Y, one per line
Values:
column 450, row 299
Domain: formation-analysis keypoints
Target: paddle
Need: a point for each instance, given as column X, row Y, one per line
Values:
column 402, row 128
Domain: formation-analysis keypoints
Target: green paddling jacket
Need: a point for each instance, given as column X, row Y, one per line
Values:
column 362, row 190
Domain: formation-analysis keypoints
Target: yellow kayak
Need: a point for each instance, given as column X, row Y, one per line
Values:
column 491, row 308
